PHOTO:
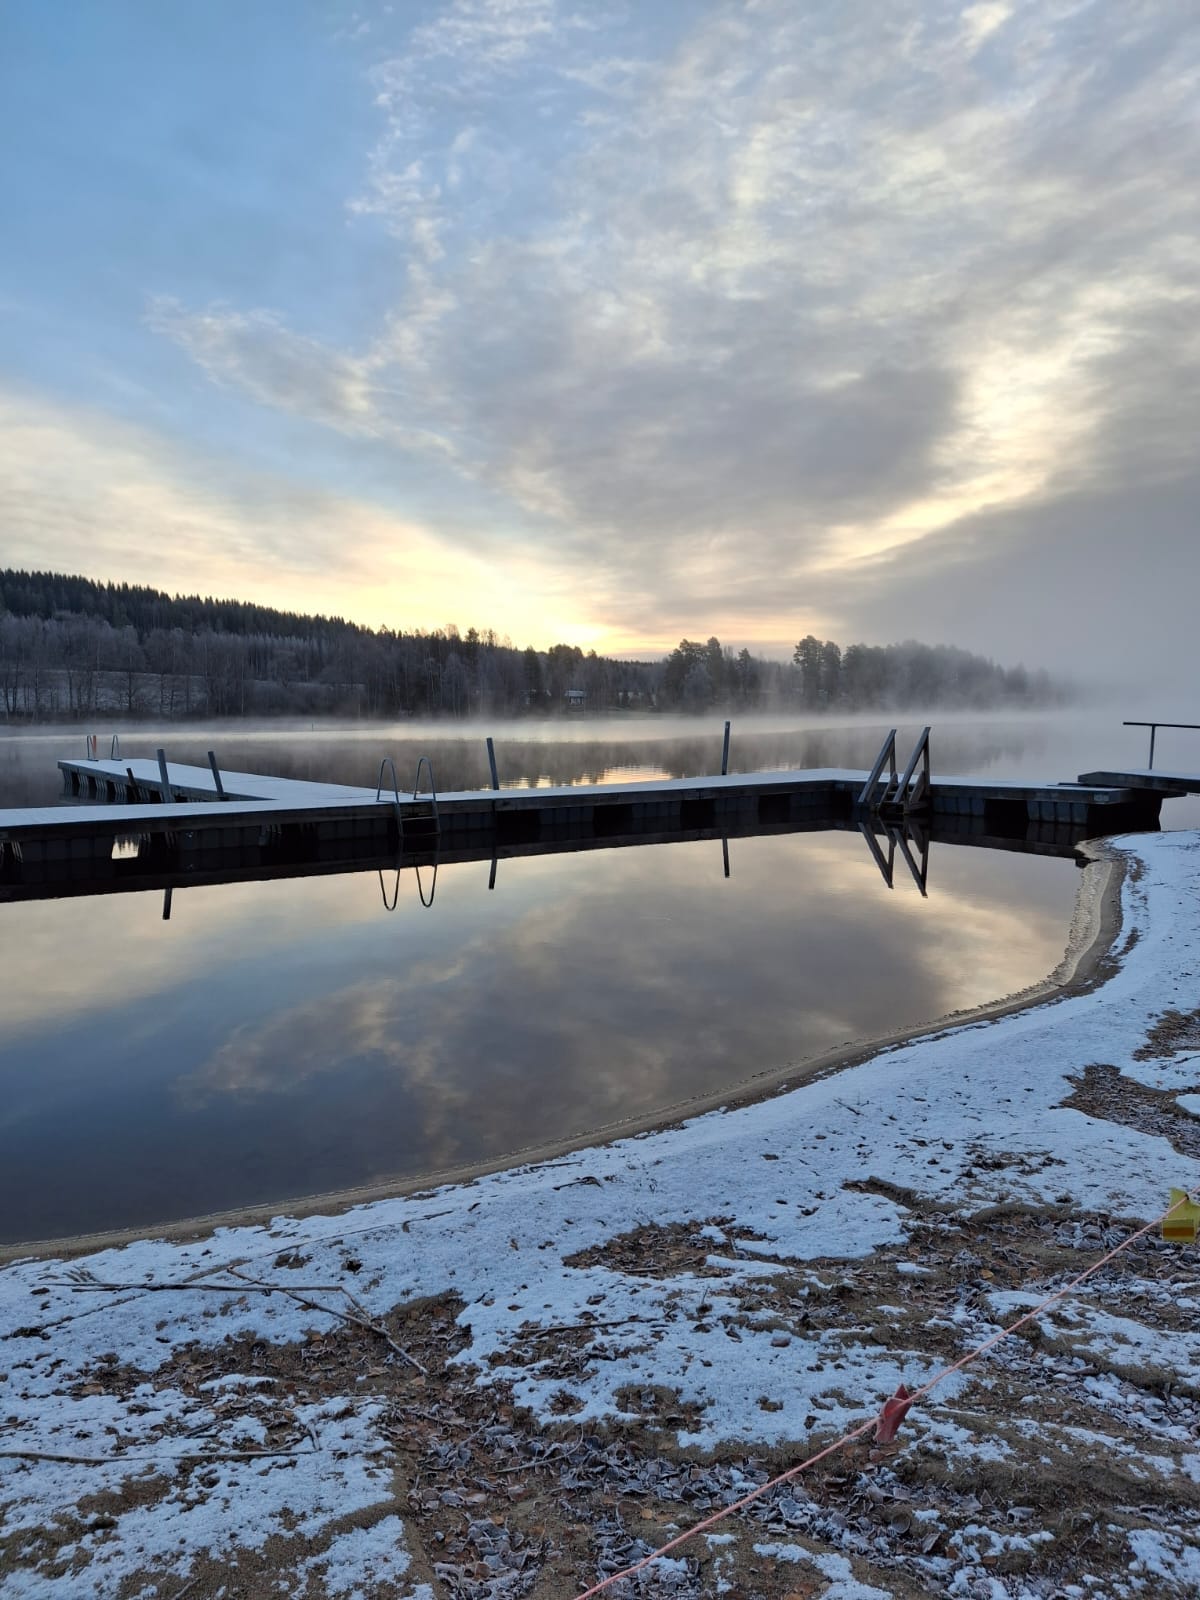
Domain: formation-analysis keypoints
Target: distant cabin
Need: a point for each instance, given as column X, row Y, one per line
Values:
column 575, row 699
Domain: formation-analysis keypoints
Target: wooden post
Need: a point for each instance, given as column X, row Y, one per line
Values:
column 491, row 750
column 216, row 772
column 725, row 754
column 167, row 793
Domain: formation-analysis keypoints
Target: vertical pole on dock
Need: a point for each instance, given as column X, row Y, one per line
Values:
column 1153, row 731
column 491, row 750
column 216, row 772
column 725, row 753
column 725, row 855
column 492, row 875
column 167, row 893
column 167, row 794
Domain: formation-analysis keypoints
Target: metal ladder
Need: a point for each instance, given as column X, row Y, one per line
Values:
column 903, row 793
column 417, row 817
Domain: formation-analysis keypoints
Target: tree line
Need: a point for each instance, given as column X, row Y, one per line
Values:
column 821, row 676
column 71, row 648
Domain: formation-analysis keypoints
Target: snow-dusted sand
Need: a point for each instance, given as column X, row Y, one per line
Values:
column 496, row 1387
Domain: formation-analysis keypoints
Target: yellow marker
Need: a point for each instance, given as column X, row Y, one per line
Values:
column 1184, row 1217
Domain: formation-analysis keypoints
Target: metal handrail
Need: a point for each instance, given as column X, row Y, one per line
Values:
column 424, row 761
column 888, row 749
column 922, row 785
column 1154, row 727
column 114, row 749
column 388, row 762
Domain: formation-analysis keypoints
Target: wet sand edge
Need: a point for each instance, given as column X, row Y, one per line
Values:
column 1090, row 959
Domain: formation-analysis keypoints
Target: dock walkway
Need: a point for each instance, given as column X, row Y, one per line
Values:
column 122, row 825
column 1167, row 783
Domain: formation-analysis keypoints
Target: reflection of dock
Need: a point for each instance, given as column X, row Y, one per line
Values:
column 142, row 870
column 145, row 824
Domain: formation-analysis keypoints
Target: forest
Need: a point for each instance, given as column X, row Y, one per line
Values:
column 71, row 647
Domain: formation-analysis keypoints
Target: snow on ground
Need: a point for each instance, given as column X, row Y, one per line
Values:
column 725, row 1262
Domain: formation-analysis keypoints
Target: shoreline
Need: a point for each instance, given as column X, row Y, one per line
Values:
column 1087, row 961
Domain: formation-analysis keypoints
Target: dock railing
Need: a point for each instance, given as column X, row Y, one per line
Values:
column 1154, row 727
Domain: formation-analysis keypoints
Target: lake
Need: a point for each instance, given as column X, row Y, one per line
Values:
column 281, row 1039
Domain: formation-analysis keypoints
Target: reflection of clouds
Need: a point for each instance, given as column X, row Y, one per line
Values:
column 629, row 982
column 120, row 950
column 277, row 1056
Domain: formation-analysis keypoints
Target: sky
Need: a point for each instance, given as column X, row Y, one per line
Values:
column 611, row 323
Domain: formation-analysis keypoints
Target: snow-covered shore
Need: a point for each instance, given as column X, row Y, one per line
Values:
column 723, row 1295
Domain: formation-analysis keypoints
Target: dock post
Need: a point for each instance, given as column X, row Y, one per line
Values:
column 167, row 893
column 1153, row 731
column 725, row 754
column 216, row 772
column 167, row 793
column 491, row 750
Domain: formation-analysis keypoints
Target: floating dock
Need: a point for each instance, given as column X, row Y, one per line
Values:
column 133, row 822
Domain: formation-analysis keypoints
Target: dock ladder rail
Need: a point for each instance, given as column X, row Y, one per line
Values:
column 388, row 765
column 906, row 791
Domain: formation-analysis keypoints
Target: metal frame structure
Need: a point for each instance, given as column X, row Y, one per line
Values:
column 907, row 791
column 1154, row 727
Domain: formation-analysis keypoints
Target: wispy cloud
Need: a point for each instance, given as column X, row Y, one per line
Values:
column 736, row 308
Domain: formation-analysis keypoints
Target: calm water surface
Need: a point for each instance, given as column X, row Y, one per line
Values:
column 281, row 1039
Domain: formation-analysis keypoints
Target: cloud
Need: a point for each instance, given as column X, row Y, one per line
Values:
column 730, row 309
column 257, row 353
column 112, row 499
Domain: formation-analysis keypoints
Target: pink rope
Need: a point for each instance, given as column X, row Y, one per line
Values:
column 865, row 1427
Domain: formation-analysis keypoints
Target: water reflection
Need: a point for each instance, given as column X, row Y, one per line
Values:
column 283, row 1038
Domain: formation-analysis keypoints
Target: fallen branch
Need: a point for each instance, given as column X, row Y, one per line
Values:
column 256, row 1286
column 362, row 1321
column 183, row 1455
column 585, row 1327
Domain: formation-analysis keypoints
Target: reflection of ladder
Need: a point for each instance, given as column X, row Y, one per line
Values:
column 900, row 836
column 903, row 793
column 390, row 901
column 416, row 819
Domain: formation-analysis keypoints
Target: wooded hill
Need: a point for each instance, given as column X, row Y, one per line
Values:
column 71, row 648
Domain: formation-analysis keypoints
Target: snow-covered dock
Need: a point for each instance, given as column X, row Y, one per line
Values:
column 177, row 810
